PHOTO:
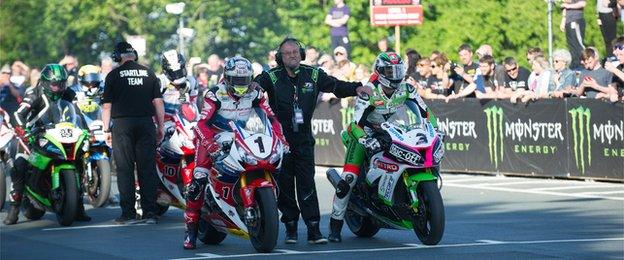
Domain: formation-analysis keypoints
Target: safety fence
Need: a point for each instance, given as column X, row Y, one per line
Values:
column 571, row 138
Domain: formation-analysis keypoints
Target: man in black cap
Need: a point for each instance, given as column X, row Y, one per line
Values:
column 132, row 97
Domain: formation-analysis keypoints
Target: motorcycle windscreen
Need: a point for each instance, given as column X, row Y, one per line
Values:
column 59, row 112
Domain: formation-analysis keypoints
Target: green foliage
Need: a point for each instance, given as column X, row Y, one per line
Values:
column 42, row 31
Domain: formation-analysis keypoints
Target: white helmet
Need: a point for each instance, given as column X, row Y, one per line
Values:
column 238, row 75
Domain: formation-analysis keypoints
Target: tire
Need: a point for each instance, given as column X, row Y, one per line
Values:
column 161, row 209
column 264, row 235
column 208, row 234
column 99, row 191
column 31, row 212
column 361, row 226
column 67, row 206
column 430, row 228
column 3, row 187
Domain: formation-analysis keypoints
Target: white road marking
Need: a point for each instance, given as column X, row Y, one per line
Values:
column 566, row 188
column 577, row 195
column 515, row 183
column 209, row 255
column 94, row 226
column 410, row 247
column 603, row 192
column 473, row 179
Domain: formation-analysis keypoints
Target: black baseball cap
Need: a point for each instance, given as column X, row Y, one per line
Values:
column 124, row 47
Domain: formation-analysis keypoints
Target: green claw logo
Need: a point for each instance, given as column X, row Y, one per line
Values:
column 581, row 120
column 494, row 117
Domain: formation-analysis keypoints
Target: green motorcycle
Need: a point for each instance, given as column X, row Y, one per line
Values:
column 58, row 144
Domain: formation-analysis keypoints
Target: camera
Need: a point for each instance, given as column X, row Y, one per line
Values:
column 453, row 65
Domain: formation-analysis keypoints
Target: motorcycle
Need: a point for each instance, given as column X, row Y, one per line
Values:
column 96, row 178
column 59, row 143
column 399, row 189
column 241, row 196
column 175, row 159
column 8, row 149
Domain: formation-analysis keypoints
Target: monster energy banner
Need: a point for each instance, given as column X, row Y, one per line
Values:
column 565, row 138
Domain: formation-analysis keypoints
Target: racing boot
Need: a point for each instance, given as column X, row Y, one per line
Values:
column 335, row 228
column 191, row 235
column 314, row 233
column 291, row 232
column 13, row 215
column 340, row 206
column 81, row 214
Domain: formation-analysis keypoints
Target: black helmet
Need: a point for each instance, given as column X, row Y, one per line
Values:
column 174, row 66
column 53, row 80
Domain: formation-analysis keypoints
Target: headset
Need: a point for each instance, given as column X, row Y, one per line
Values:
column 116, row 55
column 278, row 55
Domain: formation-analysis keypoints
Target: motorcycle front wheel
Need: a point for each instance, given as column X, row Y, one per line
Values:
column 263, row 235
column 67, row 204
column 429, row 227
column 98, row 189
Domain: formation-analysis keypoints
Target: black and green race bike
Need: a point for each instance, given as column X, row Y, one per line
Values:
column 58, row 143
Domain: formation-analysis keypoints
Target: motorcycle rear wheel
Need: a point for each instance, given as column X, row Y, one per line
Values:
column 68, row 204
column 430, row 228
column 264, row 234
column 208, row 234
column 361, row 226
column 98, row 191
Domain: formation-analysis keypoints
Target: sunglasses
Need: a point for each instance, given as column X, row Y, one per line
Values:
column 512, row 69
column 618, row 47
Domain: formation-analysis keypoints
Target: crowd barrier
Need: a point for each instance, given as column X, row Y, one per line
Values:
column 571, row 138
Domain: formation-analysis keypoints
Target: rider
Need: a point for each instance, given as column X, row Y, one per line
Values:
column 89, row 97
column 390, row 92
column 176, row 85
column 50, row 88
column 230, row 100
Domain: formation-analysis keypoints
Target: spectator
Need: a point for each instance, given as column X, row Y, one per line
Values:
column 606, row 21
column 421, row 77
column 106, row 64
column 438, row 84
column 382, row 44
column 484, row 84
column 10, row 96
column 215, row 69
column 617, row 68
column 312, row 56
column 531, row 54
column 573, row 24
column 413, row 57
column 564, row 78
column 327, row 64
column 257, row 68
column 337, row 19
column 483, row 50
column 33, row 77
column 362, row 74
column 19, row 74
column 70, row 63
column 594, row 79
column 543, row 85
column 345, row 69
column 132, row 97
column 434, row 54
column 516, row 78
column 271, row 63
column 463, row 74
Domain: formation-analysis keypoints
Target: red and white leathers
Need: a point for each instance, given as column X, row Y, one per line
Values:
column 219, row 108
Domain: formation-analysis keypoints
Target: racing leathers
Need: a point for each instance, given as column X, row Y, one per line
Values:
column 219, row 108
column 32, row 108
column 364, row 133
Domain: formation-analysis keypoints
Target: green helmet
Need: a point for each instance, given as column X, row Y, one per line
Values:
column 53, row 80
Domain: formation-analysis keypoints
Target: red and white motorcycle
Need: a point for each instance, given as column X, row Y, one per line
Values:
column 241, row 196
column 8, row 148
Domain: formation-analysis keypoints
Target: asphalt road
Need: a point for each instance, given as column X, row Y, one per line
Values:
column 486, row 217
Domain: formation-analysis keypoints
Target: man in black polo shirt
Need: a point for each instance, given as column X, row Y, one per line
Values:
column 132, row 97
column 293, row 89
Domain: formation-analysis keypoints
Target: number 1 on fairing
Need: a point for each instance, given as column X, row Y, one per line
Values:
column 260, row 144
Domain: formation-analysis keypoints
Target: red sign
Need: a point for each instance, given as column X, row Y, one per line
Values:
column 390, row 14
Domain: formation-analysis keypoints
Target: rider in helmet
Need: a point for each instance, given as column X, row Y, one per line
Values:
column 229, row 100
column 90, row 79
column 50, row 88
column 390, row 92
column 176, row 85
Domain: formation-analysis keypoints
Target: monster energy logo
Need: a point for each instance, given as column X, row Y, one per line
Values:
column 494, row 117
column 581, row 118
column 347, row 116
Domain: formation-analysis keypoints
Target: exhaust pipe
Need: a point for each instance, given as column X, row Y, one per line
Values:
column 341, row 186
